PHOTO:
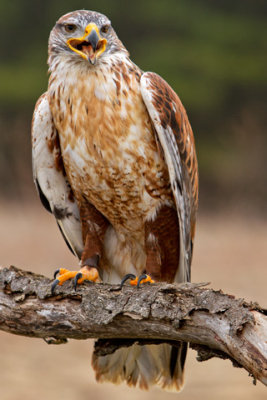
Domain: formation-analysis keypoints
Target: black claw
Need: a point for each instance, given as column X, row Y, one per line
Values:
column 54, row 284
column 56, row 272
column 141, row 277
column 77, row 277
column 126, row 278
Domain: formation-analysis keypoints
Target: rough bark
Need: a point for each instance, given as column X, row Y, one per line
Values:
column 214, row 323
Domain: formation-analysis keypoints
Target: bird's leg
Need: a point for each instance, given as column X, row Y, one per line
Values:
column 94, row 226
column 152, row 252
column 153, row 264
column 162, row 244
column 162, row 248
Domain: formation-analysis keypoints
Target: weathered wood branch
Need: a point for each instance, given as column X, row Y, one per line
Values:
column 214, row 323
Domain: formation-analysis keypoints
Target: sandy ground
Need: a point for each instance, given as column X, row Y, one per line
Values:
column 230, row 252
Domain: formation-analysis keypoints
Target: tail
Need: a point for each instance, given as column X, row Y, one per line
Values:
column 138, row 365
column 144, row 366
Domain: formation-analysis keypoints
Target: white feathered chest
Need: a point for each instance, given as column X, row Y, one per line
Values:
column 108, row 146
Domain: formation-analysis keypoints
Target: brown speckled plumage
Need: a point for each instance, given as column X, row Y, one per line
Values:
column 117, row 167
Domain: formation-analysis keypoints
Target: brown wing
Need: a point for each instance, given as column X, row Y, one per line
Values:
column 177, row 141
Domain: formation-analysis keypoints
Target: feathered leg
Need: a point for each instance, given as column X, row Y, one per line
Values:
column 94, row 226
column 162, row 244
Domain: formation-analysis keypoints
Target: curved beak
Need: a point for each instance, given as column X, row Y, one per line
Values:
column 90, row 45
column 93, row 39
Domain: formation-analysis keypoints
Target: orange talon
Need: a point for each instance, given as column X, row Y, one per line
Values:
column 89, row 274
column 85, row 273
column 144, row 279
column 147, row 279
column 137, row 281
column 133, row 282
column 62, row 271
column 65, row 276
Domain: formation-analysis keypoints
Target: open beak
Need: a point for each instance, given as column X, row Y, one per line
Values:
column 90, row 45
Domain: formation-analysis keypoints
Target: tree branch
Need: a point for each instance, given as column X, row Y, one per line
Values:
column 214, row 323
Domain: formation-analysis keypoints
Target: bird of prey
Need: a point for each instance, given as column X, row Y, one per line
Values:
column 114, row 161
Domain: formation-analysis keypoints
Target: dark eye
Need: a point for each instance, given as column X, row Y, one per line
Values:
column 70, row 28
column 105, row 28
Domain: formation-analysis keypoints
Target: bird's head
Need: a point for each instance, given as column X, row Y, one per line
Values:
column 83, row 36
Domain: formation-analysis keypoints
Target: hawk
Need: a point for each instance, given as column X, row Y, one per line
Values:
column 114, row 161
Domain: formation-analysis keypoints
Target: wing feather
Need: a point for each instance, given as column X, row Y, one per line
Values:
column 50, row 179
column 175, row 135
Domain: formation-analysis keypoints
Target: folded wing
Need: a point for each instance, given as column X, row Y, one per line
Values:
column 176, row 141
column 50, row 179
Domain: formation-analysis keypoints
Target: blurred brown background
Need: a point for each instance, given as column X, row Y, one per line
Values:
column 213, row 53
